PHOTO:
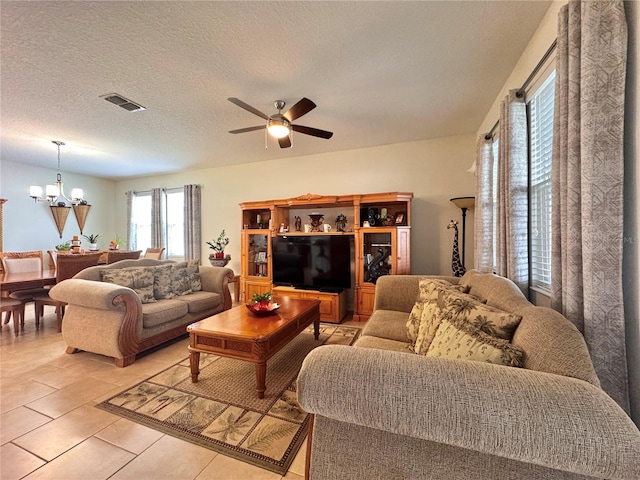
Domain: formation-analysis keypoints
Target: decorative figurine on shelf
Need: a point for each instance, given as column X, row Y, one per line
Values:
column 377, row 267
column 316, row 221
column 341, row 223
column 298, row 223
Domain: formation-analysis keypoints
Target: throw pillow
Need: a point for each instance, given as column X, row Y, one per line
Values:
column 180, row 279
column 139, row 279
column 458, row 339
column 162, row 288
column 430, row 290
column 487, row 319
column 193, row 270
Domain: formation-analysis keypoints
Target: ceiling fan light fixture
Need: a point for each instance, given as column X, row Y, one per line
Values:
column 279, row 127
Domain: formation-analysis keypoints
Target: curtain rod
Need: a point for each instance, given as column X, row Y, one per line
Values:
column 164, row 188
column 520, row 92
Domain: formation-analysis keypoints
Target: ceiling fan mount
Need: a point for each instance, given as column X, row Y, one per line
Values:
column 280, row 125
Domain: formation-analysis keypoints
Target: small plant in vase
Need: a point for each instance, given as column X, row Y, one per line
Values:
column 219, row 244
column 262, row 300
column 115, row 243
column 93, row 241
column 64, row 247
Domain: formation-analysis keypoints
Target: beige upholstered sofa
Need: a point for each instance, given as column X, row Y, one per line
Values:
column 112, row 320
column 384, row 412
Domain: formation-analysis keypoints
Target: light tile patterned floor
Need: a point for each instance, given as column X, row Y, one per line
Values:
column 50, row 429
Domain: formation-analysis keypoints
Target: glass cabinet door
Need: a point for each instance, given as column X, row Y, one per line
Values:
column 377, row 248
column 258, row 254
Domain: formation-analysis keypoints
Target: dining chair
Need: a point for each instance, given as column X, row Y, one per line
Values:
column 19, row 262
column 115, row 256
column 67, row 267
column 11, row 305
column 154, row 253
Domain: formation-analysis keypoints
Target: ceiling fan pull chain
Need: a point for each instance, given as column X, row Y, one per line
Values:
column 266, row 139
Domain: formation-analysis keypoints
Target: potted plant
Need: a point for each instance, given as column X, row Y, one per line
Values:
column 115, row 243
column 219, row 244
column 64, row 247
column 262, row 299
column 93, row 241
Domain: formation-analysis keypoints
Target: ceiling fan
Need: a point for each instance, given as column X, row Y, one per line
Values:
column 280, row 125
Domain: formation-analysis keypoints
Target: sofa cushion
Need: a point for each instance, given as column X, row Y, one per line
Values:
column 458, row 339
column 387, row 324
column 369, row 341
column 163, row 311
column 201, row 301
column 180, row 279
column 427, row 294
column 139, row 279
column 485, row 318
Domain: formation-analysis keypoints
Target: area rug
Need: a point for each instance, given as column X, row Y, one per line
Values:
column 222, row 411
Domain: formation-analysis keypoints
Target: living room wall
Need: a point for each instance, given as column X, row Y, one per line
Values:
column 434, row 170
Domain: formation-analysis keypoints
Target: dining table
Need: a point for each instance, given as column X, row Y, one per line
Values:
column 12, row 282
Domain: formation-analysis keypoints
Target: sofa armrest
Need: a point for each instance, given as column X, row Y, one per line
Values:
column 524, row 415
column 217, row 279
column 399, row 292
column 90, row 294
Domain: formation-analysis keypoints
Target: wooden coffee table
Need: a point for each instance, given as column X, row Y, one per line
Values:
column 240, row 334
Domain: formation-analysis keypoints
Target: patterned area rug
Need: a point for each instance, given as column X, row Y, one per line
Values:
column 222, row 411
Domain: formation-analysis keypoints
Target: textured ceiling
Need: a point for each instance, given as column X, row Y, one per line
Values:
column 380, row 73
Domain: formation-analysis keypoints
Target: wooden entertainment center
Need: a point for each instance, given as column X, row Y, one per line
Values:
column 379, row 223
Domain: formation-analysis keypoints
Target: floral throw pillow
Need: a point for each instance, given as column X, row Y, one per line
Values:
column 180, row 279
column 162, row 288
column 139, row 279
column 459, row 340
column 193, row 271
column 489, row 320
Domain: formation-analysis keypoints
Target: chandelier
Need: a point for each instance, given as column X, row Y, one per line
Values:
column 56, row 191
column 56, row 197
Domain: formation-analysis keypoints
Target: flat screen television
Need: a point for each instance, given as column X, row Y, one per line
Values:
column 318, row 262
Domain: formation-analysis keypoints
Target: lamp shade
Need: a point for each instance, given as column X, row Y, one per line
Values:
column 464, row 202
column 35, row 191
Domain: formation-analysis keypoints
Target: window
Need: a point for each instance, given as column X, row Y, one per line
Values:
column 174, row 221
column 141, row 213
column 540, row 148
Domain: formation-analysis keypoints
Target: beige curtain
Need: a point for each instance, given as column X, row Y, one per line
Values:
column 587, row 189
column 501, row 219
column 192, row 222
column 131, row 226
column 158, row 218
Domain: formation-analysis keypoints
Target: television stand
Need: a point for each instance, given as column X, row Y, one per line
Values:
column 333, row 306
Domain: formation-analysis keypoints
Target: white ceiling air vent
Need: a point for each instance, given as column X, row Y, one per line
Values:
column 122, row 102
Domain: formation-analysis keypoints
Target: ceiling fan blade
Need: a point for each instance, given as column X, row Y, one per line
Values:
column 248, row 129
column 315, row 132
column 301, row 108
column 285, row 142
column 247, row 107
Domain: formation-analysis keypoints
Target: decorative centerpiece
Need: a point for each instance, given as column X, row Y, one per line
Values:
column 262, row 304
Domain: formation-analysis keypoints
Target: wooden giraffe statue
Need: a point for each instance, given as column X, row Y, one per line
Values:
column 456, row 264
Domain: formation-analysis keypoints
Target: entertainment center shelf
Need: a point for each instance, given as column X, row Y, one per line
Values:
column 333, row 248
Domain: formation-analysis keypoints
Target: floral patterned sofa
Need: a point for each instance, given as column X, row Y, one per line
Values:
column 382, row 411
column 127, row 307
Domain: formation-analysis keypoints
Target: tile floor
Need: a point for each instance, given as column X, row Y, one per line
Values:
column 50, row 429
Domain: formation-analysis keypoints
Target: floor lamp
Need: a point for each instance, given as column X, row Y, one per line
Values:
column 464, row 203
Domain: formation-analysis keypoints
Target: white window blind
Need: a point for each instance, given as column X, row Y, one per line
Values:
column 541, row 144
